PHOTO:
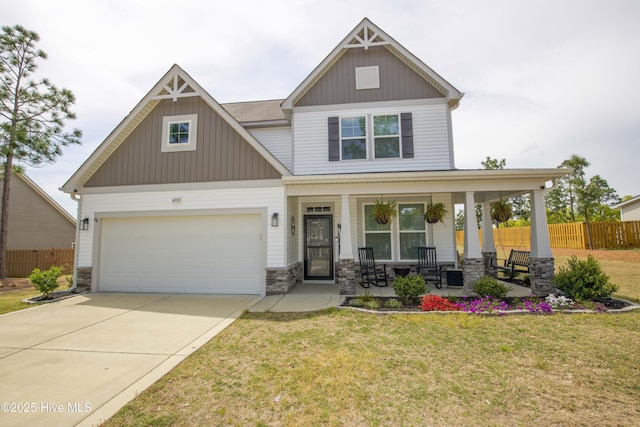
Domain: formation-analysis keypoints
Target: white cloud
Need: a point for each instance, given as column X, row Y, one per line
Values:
column 543, row 80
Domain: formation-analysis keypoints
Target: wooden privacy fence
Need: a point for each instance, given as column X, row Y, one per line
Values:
column 21, row 262
column 604, row 235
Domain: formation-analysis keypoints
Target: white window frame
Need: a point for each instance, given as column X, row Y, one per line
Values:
column 369, row 137
column 395, row 231
column 349, row 138
column 167, row 121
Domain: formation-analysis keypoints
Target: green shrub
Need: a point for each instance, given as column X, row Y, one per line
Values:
column 584, row 280
column 409, row 287
column 393, row 303
column 489, row 287
column 356, row 302
column 373, row 304
column 46, row 281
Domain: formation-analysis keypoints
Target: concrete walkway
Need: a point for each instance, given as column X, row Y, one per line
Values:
column 78, row 361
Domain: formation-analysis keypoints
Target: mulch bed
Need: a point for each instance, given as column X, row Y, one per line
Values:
column 609, row 303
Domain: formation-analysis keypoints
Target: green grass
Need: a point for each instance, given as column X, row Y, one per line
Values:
column 12, row 300
column 340, row 368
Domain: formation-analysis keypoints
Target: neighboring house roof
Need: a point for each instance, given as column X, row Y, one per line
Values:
column 176, row 83
column 365, row 35
column 627, row 202
column 46, row 197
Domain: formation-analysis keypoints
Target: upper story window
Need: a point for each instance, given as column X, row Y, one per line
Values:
column 353, row 137
column 371, row 137
column 384, row 144
column 386, row 136
column 179, row 133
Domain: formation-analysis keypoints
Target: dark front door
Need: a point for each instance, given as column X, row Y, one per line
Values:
column 318, row 247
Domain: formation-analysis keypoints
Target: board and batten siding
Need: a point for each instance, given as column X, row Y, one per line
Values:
column 221, row 155
column 397, row 80
column 432, row 148
column 270, row 199
column 279, row 141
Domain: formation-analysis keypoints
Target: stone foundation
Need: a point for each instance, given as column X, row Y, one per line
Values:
column 282, row 280
column 83, row 279
column 490, row 262
column 345, row 276
column 472, row 270
column 541, row 271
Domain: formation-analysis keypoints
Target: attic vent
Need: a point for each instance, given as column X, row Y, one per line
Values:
column 368, row 77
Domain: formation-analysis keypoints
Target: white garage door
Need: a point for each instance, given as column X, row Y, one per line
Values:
column 206, row 254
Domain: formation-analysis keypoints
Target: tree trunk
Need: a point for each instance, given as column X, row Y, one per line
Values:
column 4, row 217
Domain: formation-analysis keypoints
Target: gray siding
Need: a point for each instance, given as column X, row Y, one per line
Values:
column 221, row 154
column 397, row 80
column 33, row 222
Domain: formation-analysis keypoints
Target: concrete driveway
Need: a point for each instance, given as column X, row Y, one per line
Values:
column 77, row 361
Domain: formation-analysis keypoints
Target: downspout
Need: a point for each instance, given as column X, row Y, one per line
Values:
column 76, row 197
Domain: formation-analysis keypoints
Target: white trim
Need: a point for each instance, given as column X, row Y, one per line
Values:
column 191, row 144
column 370, row 105
column 188, row 186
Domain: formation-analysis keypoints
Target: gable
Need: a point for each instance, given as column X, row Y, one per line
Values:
column 221, row 153
column 35, row 220
column 397, row 81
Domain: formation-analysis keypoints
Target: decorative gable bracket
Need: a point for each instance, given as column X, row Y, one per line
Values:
column 366, row 37
column 175, row 87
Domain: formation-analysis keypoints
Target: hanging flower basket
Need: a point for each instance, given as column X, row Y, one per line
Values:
column 435, row 212
column 384, row 211
column 501, row 211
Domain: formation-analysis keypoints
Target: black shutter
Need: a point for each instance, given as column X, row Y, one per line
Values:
column 334, row 139
column 406, row 121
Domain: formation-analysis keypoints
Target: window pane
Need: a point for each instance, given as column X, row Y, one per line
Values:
column 387, row 147
column 370, row 223
column 409, row 243
column 179, row 133
column 354, row 149
column 381, row 244
column 353, row 126
column 411, row 217
column 385, row 125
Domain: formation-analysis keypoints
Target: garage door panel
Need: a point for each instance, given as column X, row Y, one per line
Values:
column 213, row 254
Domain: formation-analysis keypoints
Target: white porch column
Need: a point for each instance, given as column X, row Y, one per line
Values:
column 472, row 262
column 541, row 263
column 346, row 272
column 488, row 244
column 471, row 239
column 346, row 248
column 540, row 243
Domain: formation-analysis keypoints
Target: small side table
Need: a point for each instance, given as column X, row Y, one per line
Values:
column 401, row 271
column 454, row 277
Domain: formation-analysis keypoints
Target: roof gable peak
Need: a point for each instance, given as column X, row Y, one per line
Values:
column 365, row 35
column 175, row 84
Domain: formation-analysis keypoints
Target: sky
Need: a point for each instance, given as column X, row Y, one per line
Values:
column 543, row 80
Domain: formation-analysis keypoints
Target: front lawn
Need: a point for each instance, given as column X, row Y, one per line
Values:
column 350, row 368
column 12, row 300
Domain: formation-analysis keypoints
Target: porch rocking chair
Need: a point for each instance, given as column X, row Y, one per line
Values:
column 428, row 265
column 370, row 273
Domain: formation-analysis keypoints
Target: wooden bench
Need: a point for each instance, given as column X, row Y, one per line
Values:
column 518, row 261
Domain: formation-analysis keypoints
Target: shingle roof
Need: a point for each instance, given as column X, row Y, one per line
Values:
column 256, row 111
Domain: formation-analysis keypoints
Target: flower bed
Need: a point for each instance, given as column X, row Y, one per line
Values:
column 485, row 305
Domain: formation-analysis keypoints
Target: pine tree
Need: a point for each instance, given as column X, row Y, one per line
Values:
column 32, row 115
